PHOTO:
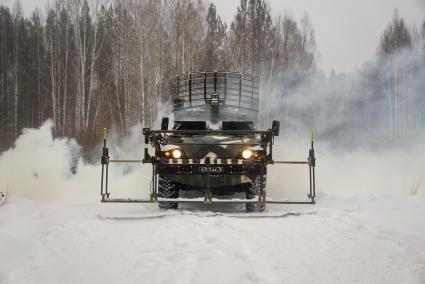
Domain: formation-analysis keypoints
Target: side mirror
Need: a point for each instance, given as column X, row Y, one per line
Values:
column 276, row 127
column 164, row 123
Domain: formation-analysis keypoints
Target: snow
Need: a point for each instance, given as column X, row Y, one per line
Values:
column 342, row 239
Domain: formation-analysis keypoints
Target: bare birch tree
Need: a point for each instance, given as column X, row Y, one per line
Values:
column 395, row 38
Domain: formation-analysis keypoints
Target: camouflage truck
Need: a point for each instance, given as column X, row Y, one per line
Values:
column 214, row 146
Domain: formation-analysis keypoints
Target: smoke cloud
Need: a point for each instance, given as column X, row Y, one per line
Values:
column 369, row 128
column 43, row 168
column 378, row 107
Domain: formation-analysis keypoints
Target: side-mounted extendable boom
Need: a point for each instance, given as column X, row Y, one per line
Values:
column 158, row 138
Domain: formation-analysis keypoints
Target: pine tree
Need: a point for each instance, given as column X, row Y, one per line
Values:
column 6, row 78
column 396, row 36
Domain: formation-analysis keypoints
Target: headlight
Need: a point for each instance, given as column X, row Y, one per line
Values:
column 246, row 154
column 177, row 154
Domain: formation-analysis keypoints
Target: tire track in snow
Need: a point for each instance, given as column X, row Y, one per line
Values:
column 174, row 250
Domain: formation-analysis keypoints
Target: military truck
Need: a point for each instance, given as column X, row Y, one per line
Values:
column 214, row 146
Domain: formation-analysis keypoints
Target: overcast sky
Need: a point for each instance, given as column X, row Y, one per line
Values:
column 347, row 31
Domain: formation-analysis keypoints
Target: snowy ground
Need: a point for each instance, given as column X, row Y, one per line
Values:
column 343, row 239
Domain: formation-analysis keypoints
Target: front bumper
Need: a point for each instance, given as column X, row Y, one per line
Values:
column 220, row 173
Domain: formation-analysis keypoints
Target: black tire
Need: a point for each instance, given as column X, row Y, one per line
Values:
column 168, row 189
column 253, row 190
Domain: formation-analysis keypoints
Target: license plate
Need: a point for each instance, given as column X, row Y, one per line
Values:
column 211, row 169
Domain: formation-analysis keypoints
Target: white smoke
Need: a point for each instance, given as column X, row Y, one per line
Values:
column 356, row 150
column 44, row 168
column 355, row 110
column 398, row 172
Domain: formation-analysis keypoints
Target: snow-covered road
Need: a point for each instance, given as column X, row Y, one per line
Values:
column 343, row 239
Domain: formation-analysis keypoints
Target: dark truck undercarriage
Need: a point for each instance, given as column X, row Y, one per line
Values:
column 213, row 147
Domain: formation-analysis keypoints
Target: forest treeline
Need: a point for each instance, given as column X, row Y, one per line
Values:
column 87, row 65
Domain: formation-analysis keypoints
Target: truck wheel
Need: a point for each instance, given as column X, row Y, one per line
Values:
column 167, row 189
column 253, row 190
